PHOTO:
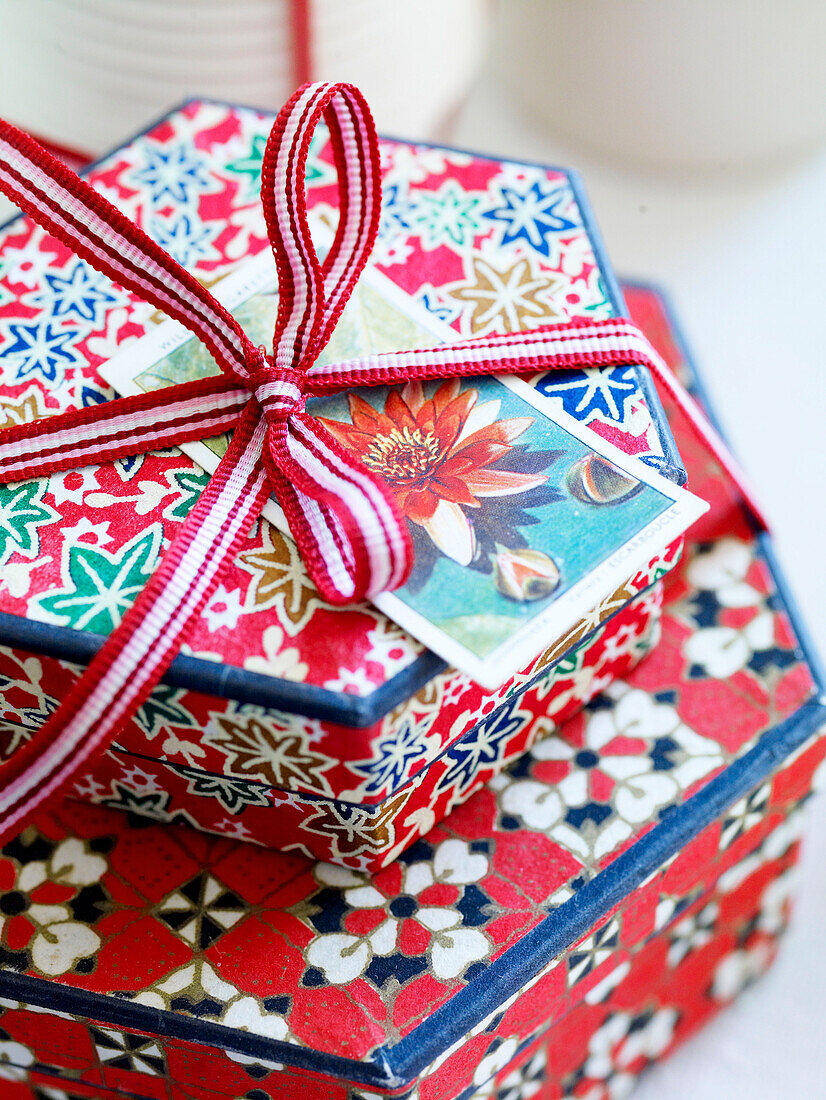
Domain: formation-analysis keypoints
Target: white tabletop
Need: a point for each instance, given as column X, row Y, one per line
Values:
column 744, row 258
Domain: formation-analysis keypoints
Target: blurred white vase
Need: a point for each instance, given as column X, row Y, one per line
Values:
column 678, row 83
column 89, row 73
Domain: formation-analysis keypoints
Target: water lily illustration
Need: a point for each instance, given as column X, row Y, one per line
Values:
column 442, row 455
column 524, row 575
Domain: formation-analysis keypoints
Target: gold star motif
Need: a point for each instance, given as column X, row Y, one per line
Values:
column 280, row 580
column 23, row 411
column 507, row 299
column 268, row 751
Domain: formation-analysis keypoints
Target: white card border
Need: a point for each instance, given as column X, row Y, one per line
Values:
column 257, row 275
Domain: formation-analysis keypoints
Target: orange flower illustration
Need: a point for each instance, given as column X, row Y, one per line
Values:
column 436, row 454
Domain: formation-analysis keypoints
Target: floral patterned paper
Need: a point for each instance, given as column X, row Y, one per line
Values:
column 290, row 961
column 191, row 182
column 486, row 246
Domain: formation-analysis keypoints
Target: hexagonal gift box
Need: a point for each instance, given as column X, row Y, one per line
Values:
column 570, row 923
column 289, row 722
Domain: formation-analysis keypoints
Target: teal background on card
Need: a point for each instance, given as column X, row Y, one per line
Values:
column 464, row 602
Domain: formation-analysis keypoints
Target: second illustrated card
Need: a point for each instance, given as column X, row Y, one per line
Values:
column 522, row 519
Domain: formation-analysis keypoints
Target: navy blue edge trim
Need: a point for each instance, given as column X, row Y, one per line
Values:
column 307, row 700
column 672, row 466
column 398, row 1065
column 697, row 387
column 376, row 806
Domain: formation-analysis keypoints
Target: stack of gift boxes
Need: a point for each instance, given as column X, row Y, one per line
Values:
column 346, row 869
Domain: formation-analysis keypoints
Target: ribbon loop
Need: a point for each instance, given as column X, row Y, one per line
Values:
column 312, row 294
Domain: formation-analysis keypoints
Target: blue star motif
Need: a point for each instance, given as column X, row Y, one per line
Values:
column 482, row 746
column 396, row 212
column 175, row 173
column 433, row 304
column 589, row 393
column 533, row 215
column 40, row 348
column 185, row 237
column 397, row 753
column 81, row 294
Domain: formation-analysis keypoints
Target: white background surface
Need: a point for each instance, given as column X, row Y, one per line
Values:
column 743, row 256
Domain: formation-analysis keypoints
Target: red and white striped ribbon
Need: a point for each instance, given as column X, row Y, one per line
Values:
column 346, row 523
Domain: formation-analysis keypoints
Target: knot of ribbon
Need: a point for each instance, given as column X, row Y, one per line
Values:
column 351, row 534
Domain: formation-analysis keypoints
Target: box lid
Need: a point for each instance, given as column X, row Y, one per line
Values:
column 485, row 245
column 371, row 979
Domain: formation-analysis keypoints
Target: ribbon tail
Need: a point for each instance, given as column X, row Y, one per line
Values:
column 120, row 428
column 136, row 655
column 578, row 344
column 708, row 437
column 351, row 535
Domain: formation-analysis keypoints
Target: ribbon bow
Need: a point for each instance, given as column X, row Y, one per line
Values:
column 352, row 537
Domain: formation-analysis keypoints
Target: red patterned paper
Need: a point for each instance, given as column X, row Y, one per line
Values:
column 487, row 246
column 287, row 961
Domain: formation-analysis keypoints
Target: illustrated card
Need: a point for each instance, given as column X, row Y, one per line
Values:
column 522, row 518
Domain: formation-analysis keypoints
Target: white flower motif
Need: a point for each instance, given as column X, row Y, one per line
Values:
column 224, row 609
column 72, row 485
column 343, row 956
column 107, row 343
column 228, row 827
column 458, row 684
column 17, row 576
column 149, row 496
column 787, row 833
column 620, row 643
column 740, row 969
column 723, row 570
column 247, row 1014
column 692, row 932
column 28, row 263
column 539, row 805
column 616, row 1048
column 777, row 901
column 651, row 1040
column 353, row 681
column 638, row 788
column 392, row 647
column 89, row 789
column 59, row 941
column 600, row 992
column 414, row 163
column 278, row 659
column 723, row 650
column 177, row 746
column 93, row 534
column 15, row 1060
column 139, row 781
column 495, row 1061
column 248, row 222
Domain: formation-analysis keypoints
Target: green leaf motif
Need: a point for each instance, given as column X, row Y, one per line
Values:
column 189, row 485
column 22, row 511
column 101, row 586
column 248, row 166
